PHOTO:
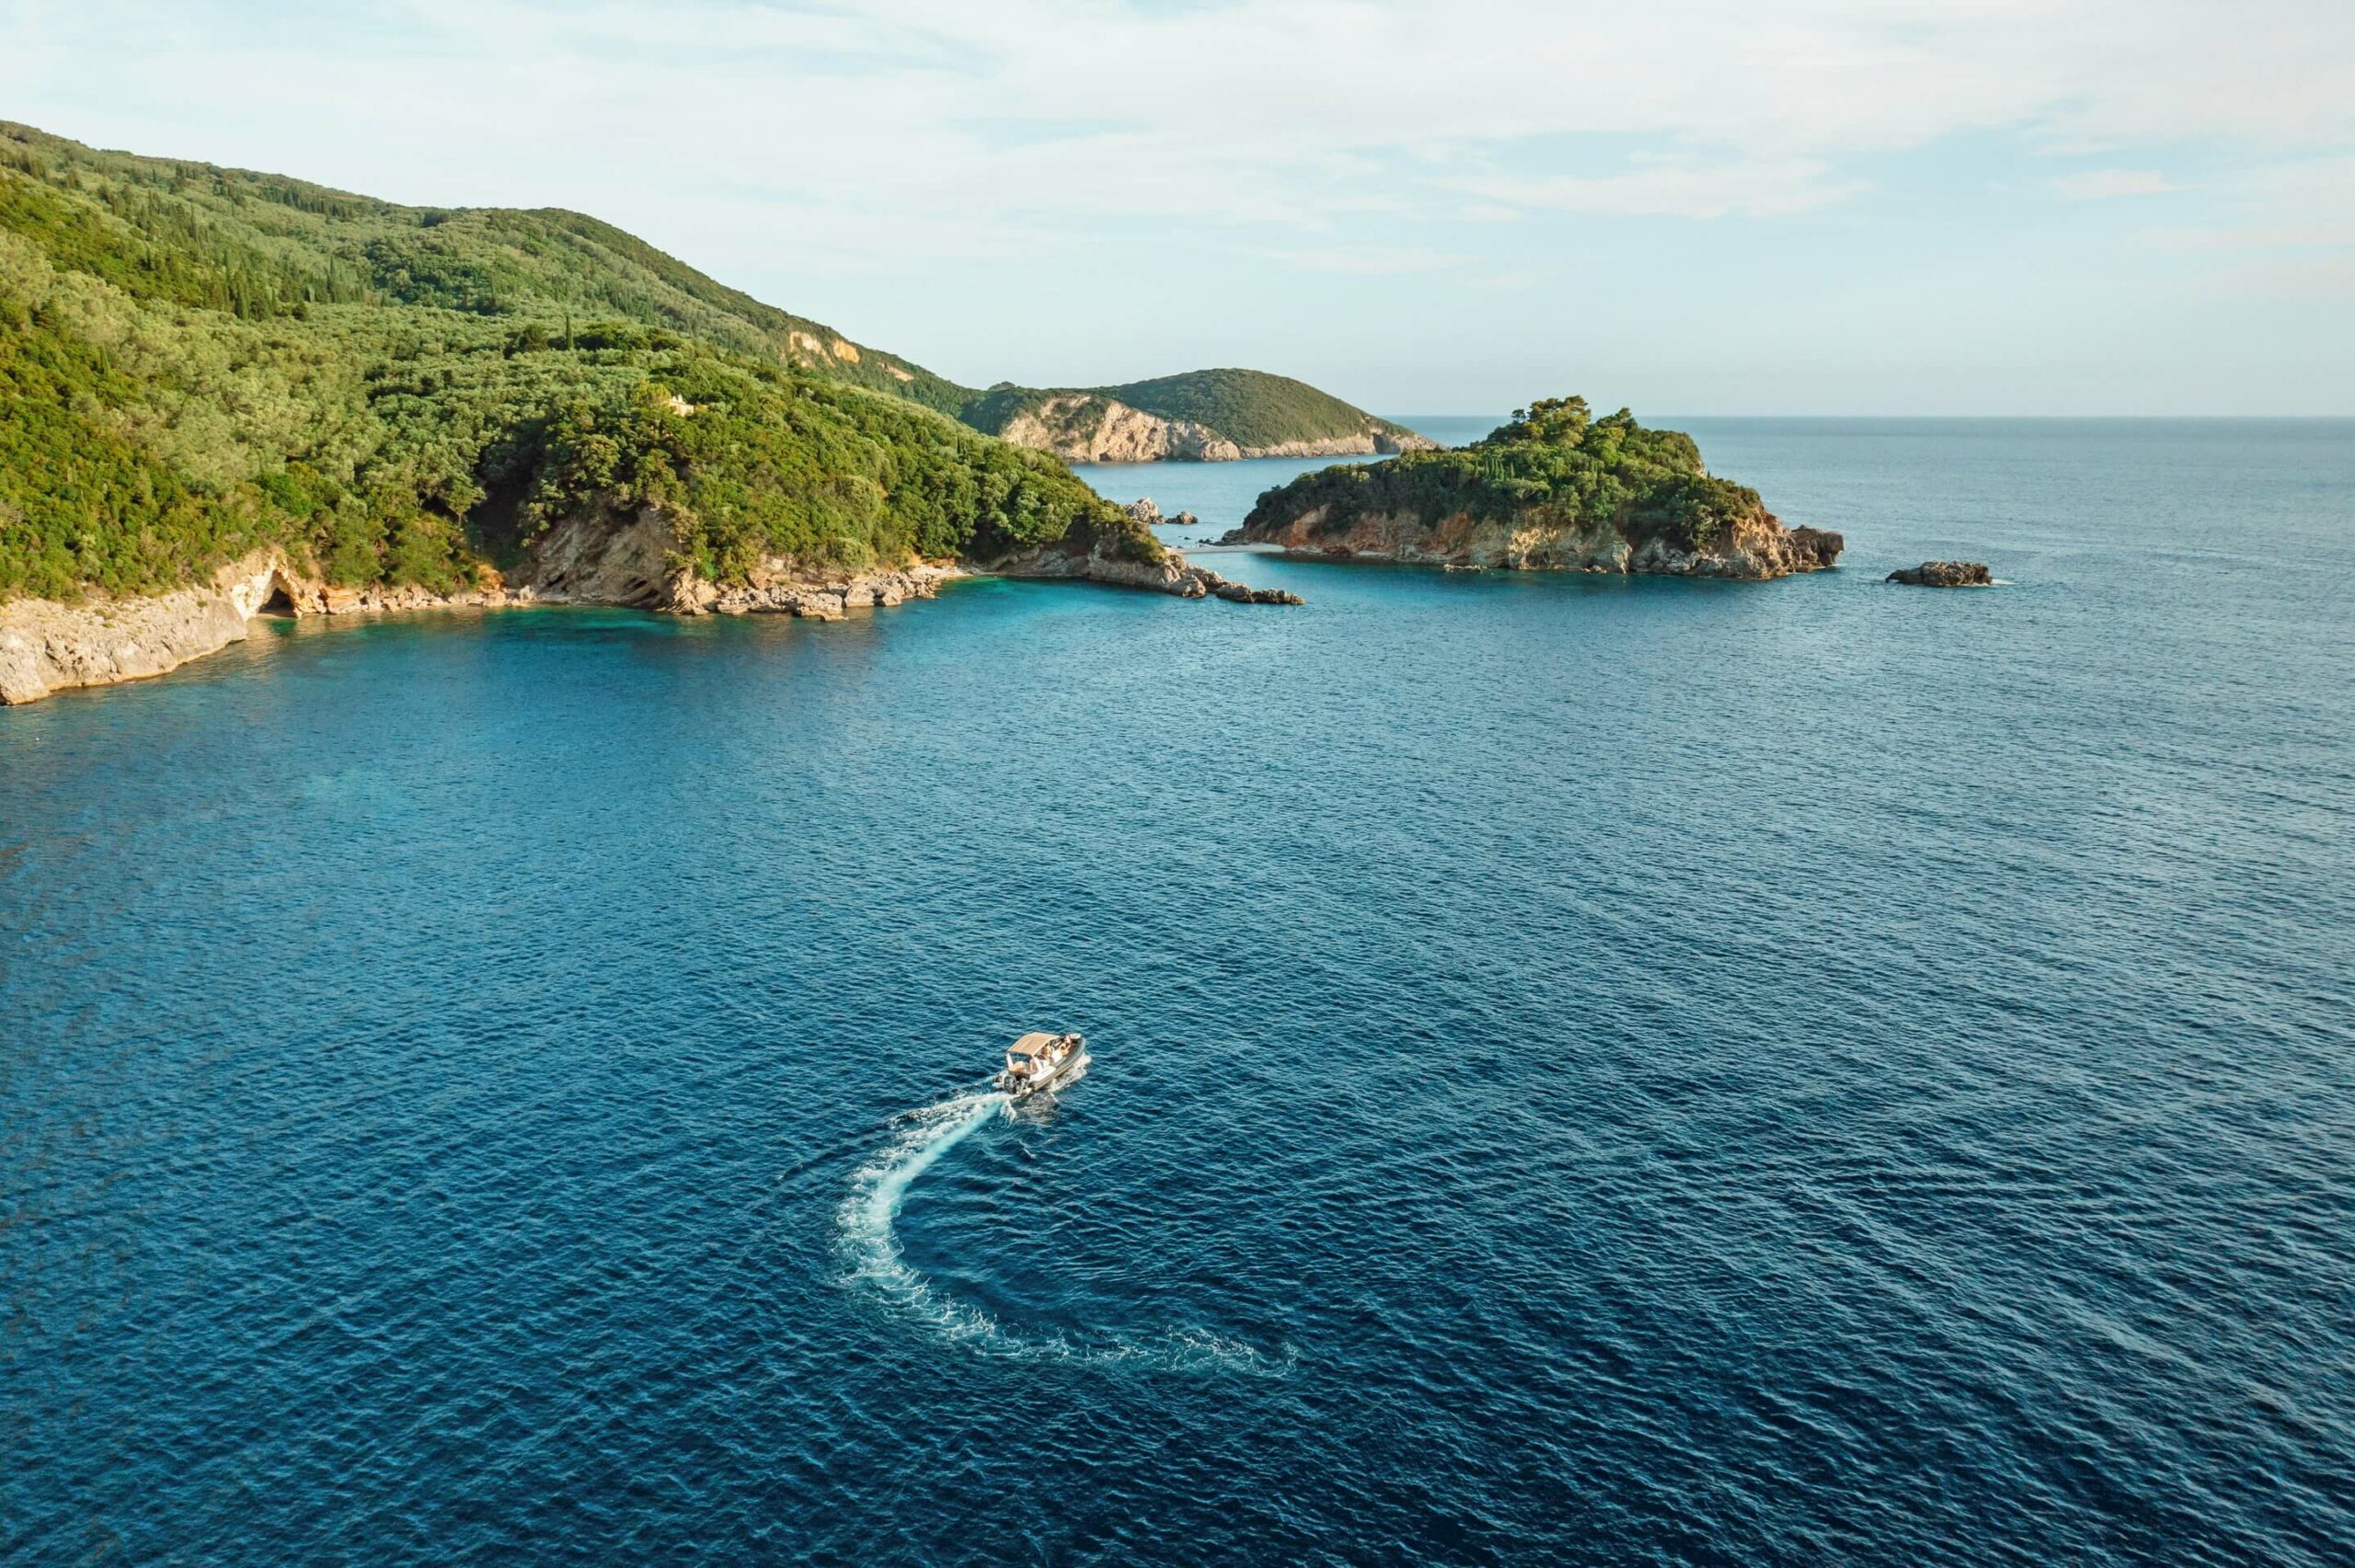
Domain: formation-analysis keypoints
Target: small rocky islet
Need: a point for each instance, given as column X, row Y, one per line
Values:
column 1944, row 574
column 1553, row 489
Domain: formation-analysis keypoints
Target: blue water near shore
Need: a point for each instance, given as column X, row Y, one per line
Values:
column 1586, row 1070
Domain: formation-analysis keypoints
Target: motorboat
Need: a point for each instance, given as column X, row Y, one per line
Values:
column 1040, row 1063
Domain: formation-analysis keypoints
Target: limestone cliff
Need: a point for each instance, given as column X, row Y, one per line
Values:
column 47, row 646
column 1753, row 546
column 1082, row 428
column 1198, row 417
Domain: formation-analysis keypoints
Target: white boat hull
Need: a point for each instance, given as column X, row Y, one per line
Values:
column 1065, row 1074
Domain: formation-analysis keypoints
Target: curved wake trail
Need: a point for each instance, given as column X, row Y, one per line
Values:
column 870, row 1249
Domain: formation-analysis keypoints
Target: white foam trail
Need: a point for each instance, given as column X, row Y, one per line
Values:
column 870, row 1249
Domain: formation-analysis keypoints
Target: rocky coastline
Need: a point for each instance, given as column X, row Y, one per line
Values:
column 1755, row 549
column 1170, row 574
column 48, row 646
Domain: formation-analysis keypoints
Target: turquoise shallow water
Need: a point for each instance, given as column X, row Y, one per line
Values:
column 1586, row 1070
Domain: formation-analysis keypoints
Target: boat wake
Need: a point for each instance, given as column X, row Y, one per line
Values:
column 870, row 1248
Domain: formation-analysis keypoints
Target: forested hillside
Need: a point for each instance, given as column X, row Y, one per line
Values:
column 198, row 360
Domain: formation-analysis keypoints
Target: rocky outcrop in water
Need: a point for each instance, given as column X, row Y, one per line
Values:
column 1143, row 510
column 1553, row 489
column 1944, row 574
column 1171, row 572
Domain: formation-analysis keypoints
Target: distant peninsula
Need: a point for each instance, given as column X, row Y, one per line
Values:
column 1553, row 490
column 1202, row 415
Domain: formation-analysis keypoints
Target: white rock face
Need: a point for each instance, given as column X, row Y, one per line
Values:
column 1757, row 547
column 1083, row 428
column 48, row 646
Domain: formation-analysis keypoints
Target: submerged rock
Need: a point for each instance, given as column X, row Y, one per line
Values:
column 1239, row 594
column 1944, row 574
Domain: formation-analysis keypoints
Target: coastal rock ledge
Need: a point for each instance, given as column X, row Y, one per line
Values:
column 1755, row 549
column 48, row 646
column 1116, row 564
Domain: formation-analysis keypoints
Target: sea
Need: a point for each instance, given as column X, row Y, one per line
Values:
column 1585, row 1069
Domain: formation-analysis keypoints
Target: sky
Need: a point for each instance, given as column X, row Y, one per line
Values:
column 1746, row 207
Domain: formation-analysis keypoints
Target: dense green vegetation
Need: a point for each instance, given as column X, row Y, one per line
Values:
column 1553, row 461
column 197, row 360
column 1250, row 409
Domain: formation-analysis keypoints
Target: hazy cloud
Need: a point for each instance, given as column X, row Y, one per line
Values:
column 2098, row 183
column 1285, row 113
column 1109, row 156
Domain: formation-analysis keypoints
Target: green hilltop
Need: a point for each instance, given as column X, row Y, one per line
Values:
column 201, row 360
column 1253, row 408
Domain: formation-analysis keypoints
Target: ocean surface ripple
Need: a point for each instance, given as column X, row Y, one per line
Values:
column 1585, row 1069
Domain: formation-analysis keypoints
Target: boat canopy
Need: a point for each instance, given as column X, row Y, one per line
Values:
column 1035, row 1044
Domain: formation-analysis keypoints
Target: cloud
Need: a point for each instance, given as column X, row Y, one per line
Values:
column 2287, row 233
column 1350, row 136
column 1685, row 187
column 1280, row 113
column 1375, row 261
column 2095, row 184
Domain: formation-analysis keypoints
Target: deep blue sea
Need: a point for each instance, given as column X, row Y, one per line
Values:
column 1586, row 1070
